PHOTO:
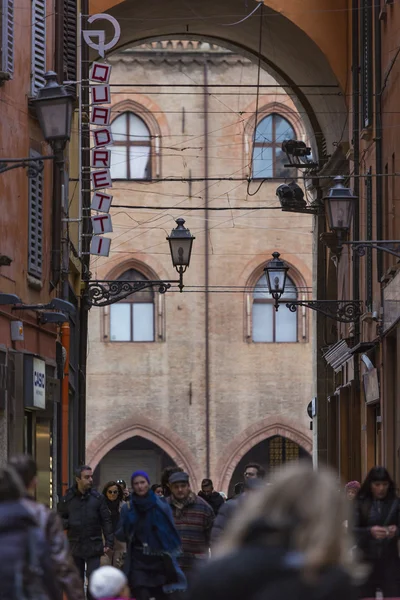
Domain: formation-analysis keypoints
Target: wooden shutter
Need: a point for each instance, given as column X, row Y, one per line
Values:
column 35, row 235
column 38, row 45
column 368, row 236
column 7, row 37
column 70, row 40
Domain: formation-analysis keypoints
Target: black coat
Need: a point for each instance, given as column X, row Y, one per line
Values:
column 86, row 519
column 224, row 516
column 25, row 568
column 366, row 517
column 215, row 500
column 261, row 573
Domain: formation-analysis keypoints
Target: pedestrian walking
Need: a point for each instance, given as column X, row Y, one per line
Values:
column 108, row 583
column 166, row 474
column 193, row 518
column 66, row 575
column 285, row 544
column 153, row 543
column 376, row 529
column 114, row 497
column 229, row 508
column 125, row 490
column 158, row 490
column 26, row 571
column 87, row 520
column 352, row 488
column 214, row 499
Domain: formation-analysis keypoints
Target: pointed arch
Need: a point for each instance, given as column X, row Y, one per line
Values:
column 250, row 437
column 141, row 426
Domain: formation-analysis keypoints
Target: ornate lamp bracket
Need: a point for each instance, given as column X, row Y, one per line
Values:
column 33, row 165
column 389, row 246
column 344, row 311
column 104, row 293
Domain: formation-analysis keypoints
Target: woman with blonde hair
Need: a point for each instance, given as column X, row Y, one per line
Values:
column 285, row 543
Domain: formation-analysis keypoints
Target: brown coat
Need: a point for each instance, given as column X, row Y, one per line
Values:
column 65, row 572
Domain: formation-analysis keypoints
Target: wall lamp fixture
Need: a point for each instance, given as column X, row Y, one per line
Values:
column 344, row 311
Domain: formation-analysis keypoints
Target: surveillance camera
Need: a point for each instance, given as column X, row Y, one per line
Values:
column 375, row 316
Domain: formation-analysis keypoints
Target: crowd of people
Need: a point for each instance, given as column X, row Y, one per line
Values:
column 291, row 537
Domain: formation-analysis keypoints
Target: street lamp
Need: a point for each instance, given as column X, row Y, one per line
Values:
column 339, row 206
column 106, row 292
column 345, row 311
column 54, row 108
column 180, row 245
column 276, row 273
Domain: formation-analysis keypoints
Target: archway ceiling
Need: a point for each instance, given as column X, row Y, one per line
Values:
column 287, row 51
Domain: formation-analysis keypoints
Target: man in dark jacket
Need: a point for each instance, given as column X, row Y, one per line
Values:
column 87, row 519
column 253, row 478
column 214, row 499
column 66, row 575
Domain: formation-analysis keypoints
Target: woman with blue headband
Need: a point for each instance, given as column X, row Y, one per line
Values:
column 153, row 543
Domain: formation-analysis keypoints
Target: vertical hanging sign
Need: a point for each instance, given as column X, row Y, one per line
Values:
column 100, row 116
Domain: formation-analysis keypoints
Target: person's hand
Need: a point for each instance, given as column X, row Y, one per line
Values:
column 379, row 533
column 392, row 531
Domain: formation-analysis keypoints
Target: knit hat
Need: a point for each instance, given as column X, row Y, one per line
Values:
column 181, row 477
column 140, row 474
column 353, row 485
column 107, row 582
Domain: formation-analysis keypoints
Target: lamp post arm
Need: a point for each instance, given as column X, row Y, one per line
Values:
column 33, row 164
column 344, row 311
column 103, row 293
column 389, row 246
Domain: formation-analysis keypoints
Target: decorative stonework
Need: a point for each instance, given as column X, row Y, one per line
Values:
column 141, row 426
column 252, row 436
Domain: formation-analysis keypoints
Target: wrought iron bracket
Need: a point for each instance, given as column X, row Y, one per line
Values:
column 344, row 311
column 33, row 165
column 389, row 246
column 104, row 293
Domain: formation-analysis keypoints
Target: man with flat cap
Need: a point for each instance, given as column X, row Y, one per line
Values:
column 193, row 519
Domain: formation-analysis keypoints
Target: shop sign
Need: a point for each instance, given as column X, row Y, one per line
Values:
column 100, row 117
column 39, row 383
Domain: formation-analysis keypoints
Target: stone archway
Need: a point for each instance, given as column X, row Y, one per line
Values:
column 250, row 437
column 143, row 427
column 298, row 47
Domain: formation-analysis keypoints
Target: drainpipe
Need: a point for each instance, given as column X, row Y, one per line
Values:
column 206, row 273
column 355, row 417
column 378, row 134
column 65, row 340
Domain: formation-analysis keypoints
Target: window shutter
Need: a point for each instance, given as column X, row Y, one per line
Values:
column 70, row 39
column 38, row 45
column 7, row 37
column 35, row 235
column 369, row 234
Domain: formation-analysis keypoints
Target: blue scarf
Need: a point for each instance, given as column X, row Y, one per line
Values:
column 160, row 531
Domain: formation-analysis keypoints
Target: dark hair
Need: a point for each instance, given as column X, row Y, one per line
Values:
column 260, row 470
column 11, row 486
column 120, row 496
column 25, row 466
column 78, row 470
column 239, row 488
column 122, row 483
column 155, row 486
column 207, row 483
column 166, row 474
column 376, row 474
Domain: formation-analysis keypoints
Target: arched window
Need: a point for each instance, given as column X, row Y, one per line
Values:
column 270, row 325
column 268, row 158
column 132, row 319
column 131, row 150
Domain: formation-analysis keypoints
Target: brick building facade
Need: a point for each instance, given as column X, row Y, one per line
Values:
column 212, row 376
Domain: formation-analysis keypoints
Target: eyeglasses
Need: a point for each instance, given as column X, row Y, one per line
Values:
column 113, row 492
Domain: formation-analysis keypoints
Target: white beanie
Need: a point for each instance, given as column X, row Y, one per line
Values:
column 107, row 582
